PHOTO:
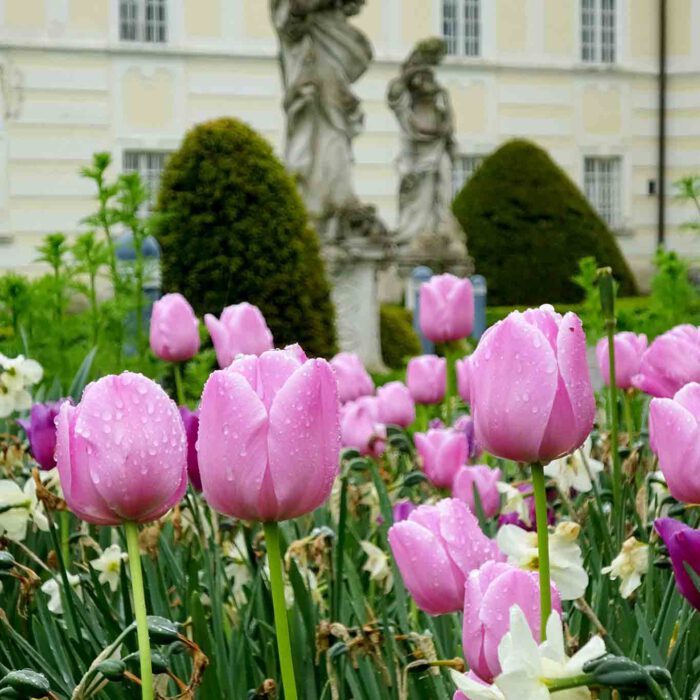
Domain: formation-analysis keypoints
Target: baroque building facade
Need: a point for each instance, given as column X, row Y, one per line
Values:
column 579, row 77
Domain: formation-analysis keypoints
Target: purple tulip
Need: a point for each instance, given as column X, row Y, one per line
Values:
column 121, row 452
column 241, row 330
column 674, row 436
column 684, row 549
column 531, row 393
column 396, row 406
column 353, row 379
column 442, row 453
column 482, row 478
column 426, row 378
column 465, row 424
column 402, row 509
column 435, row 549
column 446, row 308
column 174, row 329
column 190, row 420
column 361, row 428
column 489, row 594
column 670, row 362
column 269, row 436
column 629, row 348
column 40, row 429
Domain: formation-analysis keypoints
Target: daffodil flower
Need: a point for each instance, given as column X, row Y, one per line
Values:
column 565, row 559
column 19, row 506
column 629, row 565
column 571, row 473
column 109, row 565
column 531, row 671
column 52, row 588
column 378, row 566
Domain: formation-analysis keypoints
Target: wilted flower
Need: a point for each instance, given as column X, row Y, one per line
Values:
column 109, row 564
column 565, row 560
column 378, row 566
column 629, row 565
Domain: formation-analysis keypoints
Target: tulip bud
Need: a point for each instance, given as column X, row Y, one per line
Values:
column 241, row 330
column 41, row 432
column 629, row 348
column 361, row 428
column 174, row 333
column 670, row 362
column 269, row 434
column 531, row 393
column 395, row 405
column 489, row 594
column 606, row 287
column 435, row 548
column 674, row 436
column 426, row 378
column 353, row 379
column 442, row 454
column 121, row 452
column 446, row 308
column 683, row 545
column 484, row 480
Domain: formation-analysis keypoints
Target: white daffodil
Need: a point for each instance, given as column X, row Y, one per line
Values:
column 52, row 588
column 629, row 565
column 565, row 559
column 529, row 671
column 17, row 507
column 571, row 473
column 16, row 375
column 109, row 564
column 378, row 566
column 237, row 569
column 514, row 501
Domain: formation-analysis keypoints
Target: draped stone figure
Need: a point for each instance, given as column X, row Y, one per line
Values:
column 424, row 112
column 321, row 56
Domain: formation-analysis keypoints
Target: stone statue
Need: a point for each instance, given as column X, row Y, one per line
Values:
column 321, row 56
column 424, row 112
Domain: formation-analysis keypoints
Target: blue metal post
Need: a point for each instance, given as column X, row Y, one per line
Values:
column 479, row 285
column 419, row 275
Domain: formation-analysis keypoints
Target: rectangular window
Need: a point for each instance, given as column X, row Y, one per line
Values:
column 149, row 165
column 598, row 31
column 461, row 27
column 462, row 170
column 143, row 20
column 602, row 182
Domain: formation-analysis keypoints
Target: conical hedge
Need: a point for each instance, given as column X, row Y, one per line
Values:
column 528, row 225
column 233, row 228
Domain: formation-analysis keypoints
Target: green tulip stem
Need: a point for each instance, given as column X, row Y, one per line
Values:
column 132, row 544
column 629, row 419
column 179, row 389
column 64, row 526
column 613, row 418
column 540, row 489
column 284, row 647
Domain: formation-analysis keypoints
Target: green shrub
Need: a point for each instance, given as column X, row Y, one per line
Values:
column 528, row 225
column 399, row 340
column 233, row 228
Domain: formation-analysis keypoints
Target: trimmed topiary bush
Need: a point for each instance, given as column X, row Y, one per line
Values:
column 233, row 228
column 528, row 225
column 399, row 340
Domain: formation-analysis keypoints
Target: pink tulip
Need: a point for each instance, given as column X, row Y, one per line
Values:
column 436, row 548
column 174, row 329
column 396, row 405
column 241, row 330
column 463, row 379
column 269, row 436
column 361, row 428
column 426, row 378
column 629, row 348
column 670, row 362
column 531, row 394
column 674, row 436
column 353, row 379
column 121, row 452
column 190, row 420
column 442, row 454
column 446, row 308
column 482, row 478
column 489, row 594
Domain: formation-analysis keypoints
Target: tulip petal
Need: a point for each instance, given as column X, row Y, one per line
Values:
column 304, row 439
column 220, row 339
column 513, row 386
column 684, row 548
column 232, row 448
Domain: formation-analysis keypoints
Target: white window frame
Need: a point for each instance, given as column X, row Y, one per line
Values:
column 599, row 31
column 462, row 27
column 603, row 186
column 144, row 21
column 149, row 164
column 463, row 168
